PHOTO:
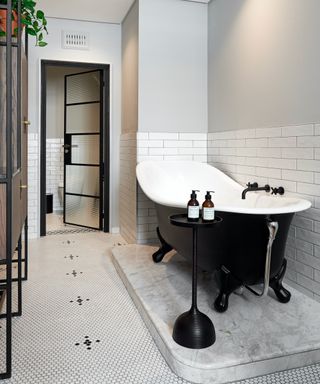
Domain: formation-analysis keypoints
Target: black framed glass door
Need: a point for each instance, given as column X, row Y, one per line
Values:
column 83, row 151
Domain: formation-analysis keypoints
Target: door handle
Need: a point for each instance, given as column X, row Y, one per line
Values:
column 66, row 145
column 26, row 122
column 22, row 187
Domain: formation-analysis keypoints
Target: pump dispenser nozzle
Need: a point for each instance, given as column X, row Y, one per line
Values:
column 193, row 194
column 208, row 196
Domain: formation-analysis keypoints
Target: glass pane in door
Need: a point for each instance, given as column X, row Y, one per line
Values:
column 3, row 106
column 3, row 220
column 83, row 118
column 14, row 127
column 85, row 149
column 14, row 108
column 83, row 211
column 83, row 180
column 83, row 88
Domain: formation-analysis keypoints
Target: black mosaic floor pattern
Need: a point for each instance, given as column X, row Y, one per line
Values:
column 68, row 231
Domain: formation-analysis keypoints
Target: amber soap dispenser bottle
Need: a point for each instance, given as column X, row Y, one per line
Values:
column 193, row 207
column 208, row 208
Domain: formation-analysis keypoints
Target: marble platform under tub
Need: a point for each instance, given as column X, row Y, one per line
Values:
column 255, row 336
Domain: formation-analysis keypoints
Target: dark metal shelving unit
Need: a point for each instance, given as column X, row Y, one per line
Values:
column 8, row 259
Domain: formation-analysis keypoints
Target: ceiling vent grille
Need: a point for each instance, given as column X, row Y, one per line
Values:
column 75, row 40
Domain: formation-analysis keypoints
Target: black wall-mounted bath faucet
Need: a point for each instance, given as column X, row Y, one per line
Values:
column 253, row 187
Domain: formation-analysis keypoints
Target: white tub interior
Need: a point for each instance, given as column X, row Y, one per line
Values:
column 170, row 183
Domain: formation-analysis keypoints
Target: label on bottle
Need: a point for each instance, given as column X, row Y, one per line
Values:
column 208, row 214
column 193, row 212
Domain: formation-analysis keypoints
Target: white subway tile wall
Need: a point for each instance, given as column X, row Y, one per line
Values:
column 128, row 192
column 54, row 170
column 171, row 146
column 288, row 157
column 163, row 146
column 33, row 181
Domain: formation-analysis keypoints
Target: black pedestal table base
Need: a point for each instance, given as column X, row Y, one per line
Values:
column 193, row 329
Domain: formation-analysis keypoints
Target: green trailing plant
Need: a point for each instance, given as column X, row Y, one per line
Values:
column 33, row 19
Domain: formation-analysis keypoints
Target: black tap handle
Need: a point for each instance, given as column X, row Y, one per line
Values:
column 252, row 185
column 276, row 191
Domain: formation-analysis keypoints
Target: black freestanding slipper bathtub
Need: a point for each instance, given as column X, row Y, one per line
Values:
column 248, row 248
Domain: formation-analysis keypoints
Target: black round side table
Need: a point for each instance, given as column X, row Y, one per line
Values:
column 194, row 329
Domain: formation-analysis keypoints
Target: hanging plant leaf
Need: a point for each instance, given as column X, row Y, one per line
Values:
column 30, row 4
column 35, row 26
column 40, row 14
column 31, row 32
column 25, row 21
column 33, row 19
column 29, row 7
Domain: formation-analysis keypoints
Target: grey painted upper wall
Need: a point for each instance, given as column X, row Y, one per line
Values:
column 173, row 66
column 130, row 52
column 264, row 63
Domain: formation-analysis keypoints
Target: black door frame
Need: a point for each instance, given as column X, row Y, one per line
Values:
column 106, row 136
column 68, row 141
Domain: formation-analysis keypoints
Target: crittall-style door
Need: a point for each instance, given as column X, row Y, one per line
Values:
column 13, row 176
column 83, row 153
column 19, row 144
column 24, row 140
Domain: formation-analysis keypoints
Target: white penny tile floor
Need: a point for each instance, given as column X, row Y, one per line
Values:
column 80, row 326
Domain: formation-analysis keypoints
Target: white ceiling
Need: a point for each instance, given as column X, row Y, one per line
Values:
column 105, row 11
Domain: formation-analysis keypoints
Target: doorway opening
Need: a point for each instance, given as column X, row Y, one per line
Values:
column 74, row 154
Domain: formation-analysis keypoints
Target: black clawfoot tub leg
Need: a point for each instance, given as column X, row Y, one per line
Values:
column 282, row 294
column 228, row 284
column 163, row 250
